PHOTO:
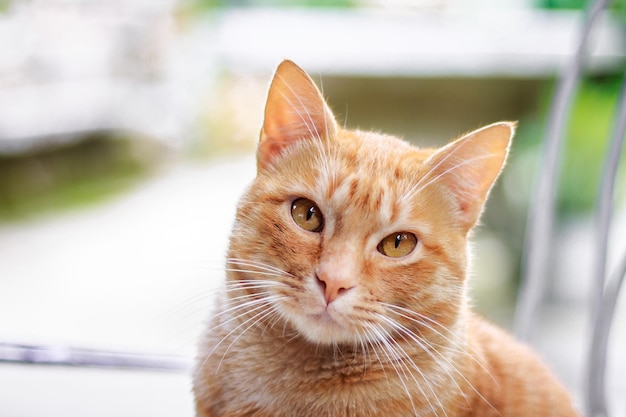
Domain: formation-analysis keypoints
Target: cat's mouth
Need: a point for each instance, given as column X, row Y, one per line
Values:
column 322, row 323
column 325, row 327
column 325, row 318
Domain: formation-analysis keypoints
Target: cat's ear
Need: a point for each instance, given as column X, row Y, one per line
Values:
column 295, row 110
column 469, row 166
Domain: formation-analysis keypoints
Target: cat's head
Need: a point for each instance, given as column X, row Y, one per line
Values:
column 350, row 236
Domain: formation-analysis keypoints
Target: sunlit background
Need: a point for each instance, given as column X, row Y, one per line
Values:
column 127, row 133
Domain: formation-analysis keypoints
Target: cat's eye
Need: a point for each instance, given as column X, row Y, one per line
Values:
column 397, row 244
column 307, row 215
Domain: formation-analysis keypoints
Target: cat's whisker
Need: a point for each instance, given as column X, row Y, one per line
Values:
column 411, row 337
column 234, row 330
column 258, row 265
column 395, row 354
column 431, row 350
column 427, row 322
column 422, row 320
column 234, row 289
column 395, row 360
column 242, row 267
column 255, row 281
column 248, row 271
column 409, row 360
column 235, row 301
column 191, row 301
column 372, row 342
column 255, row 320
column 210, row 294
column 247, row 307
column 399, row 365
column 276, row 319
column 250, row 285
column 455, row 369
column 260, row 304
column 365, row 352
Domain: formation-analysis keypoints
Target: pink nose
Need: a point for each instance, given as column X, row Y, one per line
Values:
column 334, row 286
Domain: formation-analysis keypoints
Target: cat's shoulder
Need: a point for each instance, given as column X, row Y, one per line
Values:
column 511, row 375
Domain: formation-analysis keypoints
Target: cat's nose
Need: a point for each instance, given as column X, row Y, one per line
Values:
column 333, row 286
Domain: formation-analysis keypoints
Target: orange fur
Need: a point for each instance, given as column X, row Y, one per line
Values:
column 394, row 336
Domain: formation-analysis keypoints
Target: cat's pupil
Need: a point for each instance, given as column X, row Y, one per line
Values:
column 310, row 213
column 398, row 240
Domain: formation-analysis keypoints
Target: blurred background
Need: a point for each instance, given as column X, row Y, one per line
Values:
column 127, row 133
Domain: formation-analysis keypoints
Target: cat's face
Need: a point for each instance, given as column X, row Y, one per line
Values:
column 351, row 237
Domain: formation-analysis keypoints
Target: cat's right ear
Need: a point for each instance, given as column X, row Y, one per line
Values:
column 295, row 110
column 468, row 167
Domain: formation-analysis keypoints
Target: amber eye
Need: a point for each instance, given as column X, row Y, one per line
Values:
column 307, row 215
column 397, row 244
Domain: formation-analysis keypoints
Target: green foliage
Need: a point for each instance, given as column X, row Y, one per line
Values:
column 617, row 7
column 591, row 124
column 81, row 174
column 578, row 4
column 562, row 4
column 586, row 139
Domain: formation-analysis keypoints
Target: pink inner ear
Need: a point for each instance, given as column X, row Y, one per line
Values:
column 295, row 110
column 469, row 166
column 270, row 146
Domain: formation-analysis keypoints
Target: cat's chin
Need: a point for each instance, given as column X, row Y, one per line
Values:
column 323, row 328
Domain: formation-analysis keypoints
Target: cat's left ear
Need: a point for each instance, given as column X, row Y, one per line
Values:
column 295, row 110
column 469, row 166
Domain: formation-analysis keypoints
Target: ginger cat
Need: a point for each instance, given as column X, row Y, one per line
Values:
column 346, row 279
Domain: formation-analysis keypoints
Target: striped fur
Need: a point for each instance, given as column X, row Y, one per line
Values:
column 399, row 339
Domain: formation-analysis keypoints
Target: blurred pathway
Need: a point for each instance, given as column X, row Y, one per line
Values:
column 131, row 275
column 125, row 275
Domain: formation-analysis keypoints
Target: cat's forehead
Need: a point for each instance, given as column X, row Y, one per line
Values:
column 375, row 148
column 377, row 161
column 368, row 179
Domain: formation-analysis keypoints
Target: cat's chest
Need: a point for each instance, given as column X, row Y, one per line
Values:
column 311, row 377
column 348, row 366
column 340, row 387
column 341, row 368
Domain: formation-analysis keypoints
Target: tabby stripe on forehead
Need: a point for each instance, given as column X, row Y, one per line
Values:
column 394, row 212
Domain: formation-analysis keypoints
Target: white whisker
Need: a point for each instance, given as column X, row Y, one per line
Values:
column 428, row 347
column 258, row 265
column 392, row 356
